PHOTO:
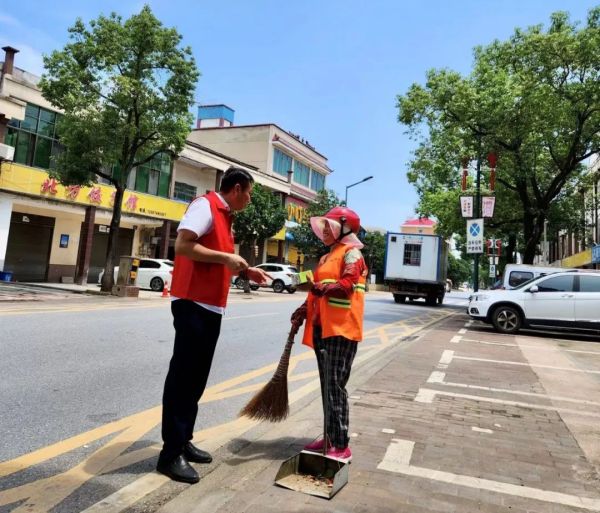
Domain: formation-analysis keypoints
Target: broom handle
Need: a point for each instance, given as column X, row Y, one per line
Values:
column 325, row 399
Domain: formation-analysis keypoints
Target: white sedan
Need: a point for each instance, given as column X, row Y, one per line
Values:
column 152, row 273
column 563, row 300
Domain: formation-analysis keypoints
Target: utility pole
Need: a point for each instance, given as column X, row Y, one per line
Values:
column 477, row 214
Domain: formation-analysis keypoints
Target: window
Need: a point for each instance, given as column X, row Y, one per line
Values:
column 301, row 173
column 184, row 192
column 317, row 181
column 149, row 264
column 34, row 138
column 412, row 254
column 153, row 177
column 589, row 284
column 517, row 277
column 556, row 284
column 282, row 163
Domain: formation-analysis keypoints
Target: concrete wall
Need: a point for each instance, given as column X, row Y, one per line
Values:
column 201, row 178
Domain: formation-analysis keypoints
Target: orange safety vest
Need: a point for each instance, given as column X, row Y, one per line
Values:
column 206, row 282
column 339, row 317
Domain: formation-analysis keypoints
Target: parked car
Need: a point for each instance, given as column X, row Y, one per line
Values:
column 281, row 278
column 152, row 273
column 563, row 300
column 516, row 274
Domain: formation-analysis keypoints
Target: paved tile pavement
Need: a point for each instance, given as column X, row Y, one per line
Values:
column 483, row 423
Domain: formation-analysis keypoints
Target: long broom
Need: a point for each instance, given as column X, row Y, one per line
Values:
column 271, row 402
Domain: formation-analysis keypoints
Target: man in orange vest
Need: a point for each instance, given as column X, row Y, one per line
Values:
column 204, row 263
column 334, row 320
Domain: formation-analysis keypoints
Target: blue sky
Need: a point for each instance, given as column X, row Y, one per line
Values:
column 328, row 70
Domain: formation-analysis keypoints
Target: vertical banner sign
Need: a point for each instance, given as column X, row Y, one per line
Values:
column 487, row 206
column 475, row 236
column 466, row 206
column 493, row 271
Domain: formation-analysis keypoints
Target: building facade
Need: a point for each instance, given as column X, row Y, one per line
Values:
column 286, row 164
column 581, row 249
column 49, row 232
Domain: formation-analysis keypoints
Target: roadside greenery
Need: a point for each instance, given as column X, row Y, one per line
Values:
column 535, row 101
column 125, row 88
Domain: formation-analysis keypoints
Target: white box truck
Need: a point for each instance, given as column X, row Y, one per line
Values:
column 415, row 267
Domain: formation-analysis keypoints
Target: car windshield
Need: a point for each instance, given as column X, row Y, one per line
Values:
column 168, row 262
column 525, row 283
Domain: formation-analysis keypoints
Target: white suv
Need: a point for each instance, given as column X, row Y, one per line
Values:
column 281, row 278
column 563, row 300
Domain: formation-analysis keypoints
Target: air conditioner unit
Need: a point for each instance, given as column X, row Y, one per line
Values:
column 7, row 152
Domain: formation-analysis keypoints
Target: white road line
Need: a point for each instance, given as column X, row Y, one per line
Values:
column 529, row 346
column 455, row 339
column 426, row 395
column 447, row 356
column 397, row 460
column 525, row 364
column 507, row 391
column 462, row 331
column 397, row 455
column 388, row 431
column 436, row 377
column 481, row 430
column 129, row 494
column 249, row 316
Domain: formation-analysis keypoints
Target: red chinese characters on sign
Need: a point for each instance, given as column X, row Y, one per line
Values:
column 49, row 185
column 131, row 203
column 95, row 195
column 112, row 199
column 72, row 191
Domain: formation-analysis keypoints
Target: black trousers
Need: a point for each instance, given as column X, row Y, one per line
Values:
column 196, row 333
column 340, row 355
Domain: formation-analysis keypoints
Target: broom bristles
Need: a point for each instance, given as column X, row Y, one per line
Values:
column 271, row 402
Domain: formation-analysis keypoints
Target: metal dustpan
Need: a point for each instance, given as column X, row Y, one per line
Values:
column 312, row 473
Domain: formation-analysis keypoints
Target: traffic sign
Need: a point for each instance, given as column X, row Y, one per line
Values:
column 475, row 236
column 493, row 271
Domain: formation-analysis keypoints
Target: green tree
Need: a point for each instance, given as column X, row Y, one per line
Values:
column 374, row 252
column 534, row 99
column 304, row 238
column 459, row 270
column 261, row 219
column 126, row 88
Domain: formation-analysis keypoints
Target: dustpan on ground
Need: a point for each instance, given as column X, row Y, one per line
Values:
column 312, row 473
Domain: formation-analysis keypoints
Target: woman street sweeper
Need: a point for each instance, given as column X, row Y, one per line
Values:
column 333, row 312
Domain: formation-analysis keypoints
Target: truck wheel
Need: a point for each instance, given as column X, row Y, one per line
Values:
column 430, row 301
column 440, row 300
column 399, row 299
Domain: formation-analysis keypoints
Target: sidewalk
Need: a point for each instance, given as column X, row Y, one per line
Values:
column 459, row 419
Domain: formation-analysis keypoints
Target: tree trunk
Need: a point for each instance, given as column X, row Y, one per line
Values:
column 113, row 238
column 251, row 261
column 510, row 249
column 533, row 229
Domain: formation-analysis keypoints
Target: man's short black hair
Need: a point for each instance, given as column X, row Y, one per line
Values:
column 233, row 176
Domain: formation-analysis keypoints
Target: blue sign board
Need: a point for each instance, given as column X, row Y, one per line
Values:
column 596, row 254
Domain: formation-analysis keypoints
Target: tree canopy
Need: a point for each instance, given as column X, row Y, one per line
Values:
column 261, row 219
column 535, row 101
column 125, row 88
column 304, row 238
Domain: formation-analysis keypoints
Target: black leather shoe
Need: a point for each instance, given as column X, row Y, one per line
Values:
column 178, row 470
column 192, row 453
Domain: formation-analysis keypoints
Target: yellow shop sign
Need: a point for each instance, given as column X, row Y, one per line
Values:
column 35, row 182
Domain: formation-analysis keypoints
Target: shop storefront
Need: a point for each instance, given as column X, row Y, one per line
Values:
column 51, row 232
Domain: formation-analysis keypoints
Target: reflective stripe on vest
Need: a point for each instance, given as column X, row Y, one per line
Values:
column 339, row 316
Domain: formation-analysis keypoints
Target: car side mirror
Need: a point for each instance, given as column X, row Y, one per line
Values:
column 534, row 288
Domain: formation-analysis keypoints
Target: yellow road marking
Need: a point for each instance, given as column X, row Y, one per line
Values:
column 44, row 494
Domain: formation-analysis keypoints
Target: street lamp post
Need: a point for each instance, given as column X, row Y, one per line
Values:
column 352, row 185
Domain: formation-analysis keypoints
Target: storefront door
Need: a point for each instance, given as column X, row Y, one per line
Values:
column 28, row 249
